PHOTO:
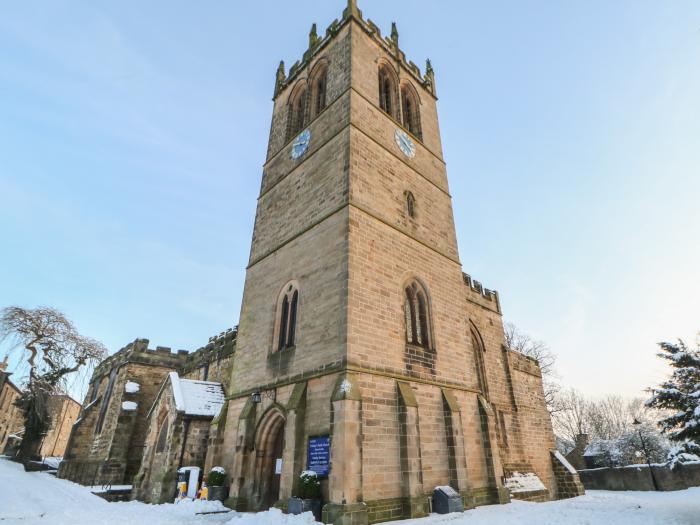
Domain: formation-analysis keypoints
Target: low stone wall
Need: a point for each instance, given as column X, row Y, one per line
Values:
column 638, row 477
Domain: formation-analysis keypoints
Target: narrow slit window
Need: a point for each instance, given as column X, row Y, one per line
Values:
column 288, row 313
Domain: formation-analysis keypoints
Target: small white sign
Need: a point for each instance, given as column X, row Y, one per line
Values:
column 278, row 466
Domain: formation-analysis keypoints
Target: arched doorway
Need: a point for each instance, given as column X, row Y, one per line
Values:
column 269, row 447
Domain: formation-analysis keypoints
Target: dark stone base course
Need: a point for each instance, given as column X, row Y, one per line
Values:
column 379, row 511
column 485, row 496
column 396, row 509
column 350, row 514
column 240, row 504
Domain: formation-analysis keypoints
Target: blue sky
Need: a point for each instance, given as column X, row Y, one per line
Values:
column 132, row 136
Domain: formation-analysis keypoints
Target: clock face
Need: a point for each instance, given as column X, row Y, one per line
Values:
column 405, row 144
column 301, row 144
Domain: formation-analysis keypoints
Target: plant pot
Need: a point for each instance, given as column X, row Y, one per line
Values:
column 218, row 494
column 299, row 506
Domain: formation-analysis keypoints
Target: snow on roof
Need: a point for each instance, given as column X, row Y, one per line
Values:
column 197, row 398
column 564, row 462
column 599, row 447
column 447, row 490
column 129, row 406
column 527, row 482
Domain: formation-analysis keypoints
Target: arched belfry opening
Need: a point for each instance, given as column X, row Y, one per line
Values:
column 269, row 448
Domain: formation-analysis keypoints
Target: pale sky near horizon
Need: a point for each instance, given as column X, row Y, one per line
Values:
column 132, row 136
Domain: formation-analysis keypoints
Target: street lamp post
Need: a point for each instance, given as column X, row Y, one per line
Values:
column 638, row 424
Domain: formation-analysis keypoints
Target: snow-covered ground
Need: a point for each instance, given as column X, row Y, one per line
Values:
column 40, row 499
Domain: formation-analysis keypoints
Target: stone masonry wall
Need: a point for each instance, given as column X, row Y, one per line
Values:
column 114, row 454
column 185, row 446
column 64, row 412
column 212, row 362
column 11, row 419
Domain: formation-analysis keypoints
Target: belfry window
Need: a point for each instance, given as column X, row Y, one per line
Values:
column 287, row 318
column 387, row 91
column 297, row 113
column 417, row 316
column 319, row 83
column 411, row 112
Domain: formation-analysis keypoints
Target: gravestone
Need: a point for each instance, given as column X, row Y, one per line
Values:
column 446, row 500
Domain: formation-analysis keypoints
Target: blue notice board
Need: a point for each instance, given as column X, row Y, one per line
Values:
column 319, row 455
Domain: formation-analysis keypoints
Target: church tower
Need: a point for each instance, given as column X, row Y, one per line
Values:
column 364, row 353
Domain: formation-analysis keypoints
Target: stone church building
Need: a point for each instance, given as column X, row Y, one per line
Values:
column 107, row 442
column 364, row 352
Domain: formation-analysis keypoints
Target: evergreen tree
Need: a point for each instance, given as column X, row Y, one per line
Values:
column 679, row 396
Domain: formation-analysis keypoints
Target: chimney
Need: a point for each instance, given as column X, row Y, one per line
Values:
column 581, row 442
column 3, row 365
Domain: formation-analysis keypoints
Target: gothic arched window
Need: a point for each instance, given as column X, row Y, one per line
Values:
column 287, row 317
column 417, row 314
column 411, row 111
column 387, row 91
column 297, row 112
column 319, row 85
column 162, row 436
column 478, row 349
column 410, row 205
column 105, row 401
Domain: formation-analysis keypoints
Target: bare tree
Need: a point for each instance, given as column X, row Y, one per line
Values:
column 526, row 345
column 611, row 416
column 572, row 417
column 53, row 349
column 608, row 424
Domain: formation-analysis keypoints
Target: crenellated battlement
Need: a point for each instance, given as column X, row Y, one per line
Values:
column 137, row 351
column 219, row 347
column 483, row 296
column 389, row 43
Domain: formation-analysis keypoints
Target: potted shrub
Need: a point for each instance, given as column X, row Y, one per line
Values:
column 308, row 495
column 216, row 484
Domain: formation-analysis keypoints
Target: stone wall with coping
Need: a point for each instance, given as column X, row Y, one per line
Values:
column 638, row 477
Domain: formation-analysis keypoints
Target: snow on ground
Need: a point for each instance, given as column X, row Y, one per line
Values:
column 40, row 499
column 597, row 507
